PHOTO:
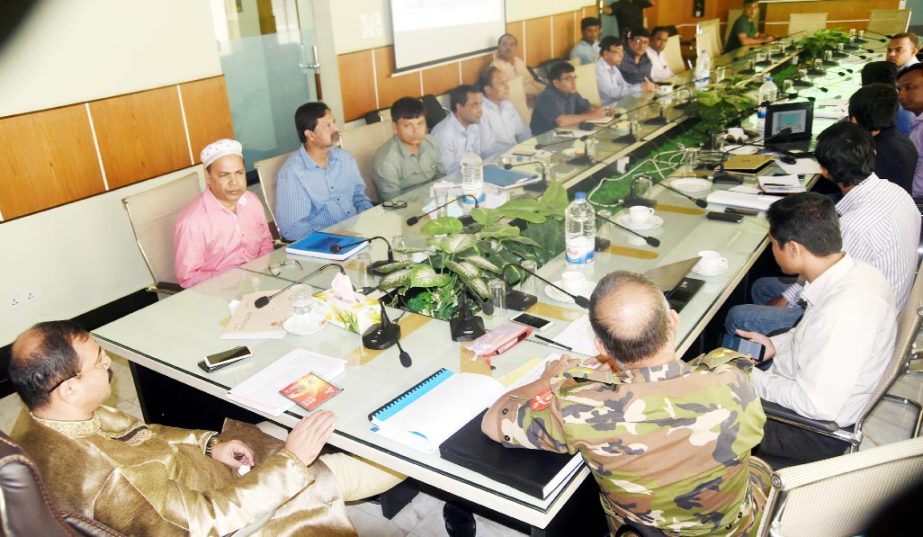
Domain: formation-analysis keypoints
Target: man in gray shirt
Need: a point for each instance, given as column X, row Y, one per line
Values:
column 410, row 158
column 587, row 48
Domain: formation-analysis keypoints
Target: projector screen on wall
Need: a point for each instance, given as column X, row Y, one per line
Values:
column 432, row 31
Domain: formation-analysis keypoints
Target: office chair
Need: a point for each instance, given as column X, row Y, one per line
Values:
column 267, row 170
column 807, row 23
column 152, row 214
column 433, row 111
column 362, row 143
column 908, row 323
column 889, row 21
column 840, row 496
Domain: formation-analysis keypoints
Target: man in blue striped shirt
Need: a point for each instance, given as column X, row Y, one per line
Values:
column 319, row 185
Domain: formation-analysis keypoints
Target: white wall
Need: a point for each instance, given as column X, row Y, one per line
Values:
column 82, row 255
column 68, row 52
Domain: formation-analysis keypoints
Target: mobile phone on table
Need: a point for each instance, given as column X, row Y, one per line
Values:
column 531, row 320
column 752, row 349
column 225, row 358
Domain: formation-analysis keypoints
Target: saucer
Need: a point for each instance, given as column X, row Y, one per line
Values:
column 653, row 222
column 697, row 270
column 554, row 294
column 315, row 324
column 691, row 185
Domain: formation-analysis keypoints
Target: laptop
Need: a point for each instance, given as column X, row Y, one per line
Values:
column 672, row 280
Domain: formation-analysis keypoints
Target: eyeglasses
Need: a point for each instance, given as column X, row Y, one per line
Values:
column 279, row 268
column 394, row 204
column 103, row 361
column 568, row 78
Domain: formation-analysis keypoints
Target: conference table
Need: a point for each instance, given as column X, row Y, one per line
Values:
column 171, row 336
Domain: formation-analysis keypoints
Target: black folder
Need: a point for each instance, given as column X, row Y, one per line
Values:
column 534, row 472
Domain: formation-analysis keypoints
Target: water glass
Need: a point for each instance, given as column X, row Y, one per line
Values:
column 818, row 64
column 751, row 64
column 802, row 74
column 441, row 195
column 840, row 47
column 301, row 301
column 721, row 73
column 690, row 161
column 397, row 243
column 634, row 128
column 828, row 55
column 861, row 34
column 787, row 86
column 360, row 270
column 498, row 297
column 527, row 284
column 603, row 226
column 641, row 187
column 760, row 57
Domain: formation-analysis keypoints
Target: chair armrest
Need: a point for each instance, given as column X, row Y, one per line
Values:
column 779, row 413
column 165, row 288
column 88, row 527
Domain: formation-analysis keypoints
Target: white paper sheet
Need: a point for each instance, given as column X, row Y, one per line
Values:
column 802, row 166
column 579, row 336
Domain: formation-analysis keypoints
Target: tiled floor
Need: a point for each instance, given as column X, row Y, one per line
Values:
column 423, row 517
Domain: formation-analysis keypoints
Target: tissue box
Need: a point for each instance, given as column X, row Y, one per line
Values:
column 353, row 317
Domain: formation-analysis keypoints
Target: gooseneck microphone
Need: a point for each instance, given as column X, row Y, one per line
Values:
column 384, row 334
column 263, row 301
column 510, row 166
column 699, row 202
column 561, row 142
column 580, row 300
column 653, row 241
column 414, row 219
column 337, row 248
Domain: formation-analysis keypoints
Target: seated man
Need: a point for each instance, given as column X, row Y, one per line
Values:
column 585, row 49
column 410, row 158
column 156, row 480
column 660, row 69
column 636, row 66
column 501, row 126
column 878, row 222
column 319, row 185
column 224, row 227
column 668, row 442
column 559, row 105
column 513, row 66
column 828, row 365
column 910, row 95
column 609, row 80
column 885, row 72
column 458, row 133
column 744, row 32
column 874, row 108
column 902, row 50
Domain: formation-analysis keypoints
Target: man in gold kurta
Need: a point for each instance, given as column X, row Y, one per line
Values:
column 157, row 480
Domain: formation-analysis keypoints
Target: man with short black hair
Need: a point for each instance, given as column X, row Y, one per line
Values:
column 559, row 105
column 885, row 72
column 319, row 185
column 155, row 480
column 458, row 134
column 744, row 32
column 501, row 126
column 585, row 49
column 668, row 442
column 514, row 67
column 828, row 365
column 874, row 107
column 660, row 69
column 629, row 14
column 910, row 95
column 902, row 50
column 636, row 67
column 410, row 158
column 879, row 225
column 609, row 80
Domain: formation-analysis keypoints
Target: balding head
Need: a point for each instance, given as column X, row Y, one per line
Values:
column 43, row 356
column 630, row 317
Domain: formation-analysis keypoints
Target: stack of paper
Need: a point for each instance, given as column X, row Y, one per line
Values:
column 579, row 336
column 781, row 184
column 261, row 391
column 250, row 322
column 739, row 199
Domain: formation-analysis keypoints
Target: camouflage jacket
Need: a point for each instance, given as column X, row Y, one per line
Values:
column 668, row 445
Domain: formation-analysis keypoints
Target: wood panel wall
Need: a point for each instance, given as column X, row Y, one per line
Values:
column 840, row 13
column 367, row 82
column 53, row 157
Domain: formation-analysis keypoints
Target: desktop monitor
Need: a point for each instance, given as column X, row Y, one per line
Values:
column 788, row 122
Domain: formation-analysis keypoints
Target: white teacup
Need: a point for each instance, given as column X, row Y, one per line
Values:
column 737, row 133
column 665, row 89
column 640, row 214
column 711, row 262
column 573, row 281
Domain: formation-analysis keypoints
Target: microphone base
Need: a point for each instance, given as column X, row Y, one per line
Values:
column 680, row 106
column 763, row 63
column 466, row 219
column 466, row 328
column 540, row 186
column 816, row 72
column 838, row 54
column 850, row 47
column 801, row 84
column 659, row 120
column 722, row 177
column 627, row 139
column 830, row 63
column 582, row 160
column 747, row 72
column 861, row 41
column 379, row 338
column 519, row 301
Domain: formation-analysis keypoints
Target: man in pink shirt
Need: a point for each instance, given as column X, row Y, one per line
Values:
column 224, row 227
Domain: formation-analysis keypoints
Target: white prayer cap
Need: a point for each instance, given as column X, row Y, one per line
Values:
column 222, row 147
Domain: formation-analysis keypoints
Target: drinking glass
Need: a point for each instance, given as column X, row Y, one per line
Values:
column 787, row 86
column 361, row 277
column 301, row 301
column 690, row 161
column 641, row 187
column 441, row 195
column 527, row 284
column 398, row 242
column 498, row 297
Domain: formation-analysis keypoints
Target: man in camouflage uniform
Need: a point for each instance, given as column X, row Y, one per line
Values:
column 668, row 442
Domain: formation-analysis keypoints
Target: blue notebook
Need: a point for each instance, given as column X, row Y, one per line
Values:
column 327, row 246
column 506, row 179
column 430, row 411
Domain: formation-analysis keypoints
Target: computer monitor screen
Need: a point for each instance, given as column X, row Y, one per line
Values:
column 789, row 121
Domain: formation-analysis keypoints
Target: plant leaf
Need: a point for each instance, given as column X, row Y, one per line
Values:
column 554, row 199
column 400, row 278
column 478, row 286
column 485, row 217
column 464, row 269
column 453, row 243
column 444, row 225
column 425, row 276
column 534, row 216
column 482, row 263
column 499, row 231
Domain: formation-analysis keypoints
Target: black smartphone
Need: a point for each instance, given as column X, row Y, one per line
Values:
column 724, row 217
column 224, row 358
column 744, row 346
column 531, row 320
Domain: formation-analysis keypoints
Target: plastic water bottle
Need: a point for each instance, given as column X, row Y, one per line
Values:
column 768, row 93
column 579, row 232
column 702, row 71
column 472, row 172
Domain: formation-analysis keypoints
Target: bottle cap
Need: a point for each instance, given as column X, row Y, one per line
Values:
column 580, row 196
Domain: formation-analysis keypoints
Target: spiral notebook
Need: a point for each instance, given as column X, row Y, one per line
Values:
column 432, row 410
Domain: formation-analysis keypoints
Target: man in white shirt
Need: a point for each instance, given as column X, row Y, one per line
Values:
column 585, row 49
column 513, row 66
column 501, row 126
column 609, row 80
column 902, row 50
column 458, row 133
column 660, row 69
column 879, row 224
column 828, row 365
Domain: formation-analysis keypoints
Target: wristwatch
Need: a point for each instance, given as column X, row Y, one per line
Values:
column 212, row 442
